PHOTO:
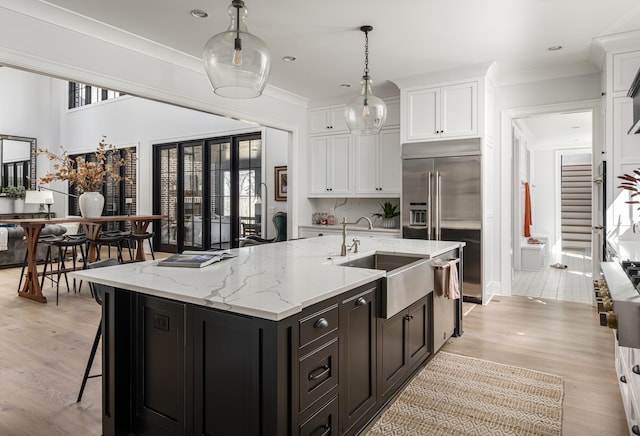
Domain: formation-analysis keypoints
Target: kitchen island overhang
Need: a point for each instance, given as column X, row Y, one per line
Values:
column 279, row 340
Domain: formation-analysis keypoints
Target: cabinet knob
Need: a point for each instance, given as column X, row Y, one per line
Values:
column 321, row 324
column 408, row 317
column 636, row 369
column 623, row 379
column 635, row 429
column 361, row 302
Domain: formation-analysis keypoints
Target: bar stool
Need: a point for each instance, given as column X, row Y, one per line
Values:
column 41, row 240
column 63, row 244
column 98, row 294
column 139, row 238
column 111, row 238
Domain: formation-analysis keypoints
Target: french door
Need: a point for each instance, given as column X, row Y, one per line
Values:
column 207, row 190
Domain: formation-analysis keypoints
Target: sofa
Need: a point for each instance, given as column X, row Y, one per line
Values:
column 17, row 247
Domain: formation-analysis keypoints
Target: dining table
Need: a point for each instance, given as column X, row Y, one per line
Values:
column 92, row 227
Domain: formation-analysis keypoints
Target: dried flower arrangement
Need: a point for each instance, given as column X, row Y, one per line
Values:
column 88, row 176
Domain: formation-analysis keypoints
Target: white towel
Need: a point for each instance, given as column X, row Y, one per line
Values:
column 4, row 239
column 453, row 291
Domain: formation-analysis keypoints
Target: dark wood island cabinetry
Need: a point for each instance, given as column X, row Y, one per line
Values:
column 172, row 366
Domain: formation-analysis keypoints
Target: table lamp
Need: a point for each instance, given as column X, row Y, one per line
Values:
column 40, row 197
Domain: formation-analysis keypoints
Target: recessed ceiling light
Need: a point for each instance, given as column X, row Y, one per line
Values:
column 199, row 13
column 554, row 48
column 345, row 85
column 575, row 127
column 288, row 58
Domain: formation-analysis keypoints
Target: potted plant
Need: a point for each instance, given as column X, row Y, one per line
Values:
column 388, row 213
column 88, row 176
column 17, row 193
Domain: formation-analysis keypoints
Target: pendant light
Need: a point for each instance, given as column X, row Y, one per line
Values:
column 237, row 63
column 365, row 113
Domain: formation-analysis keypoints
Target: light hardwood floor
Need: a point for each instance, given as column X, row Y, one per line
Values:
column 557, row 337
column 44, row 349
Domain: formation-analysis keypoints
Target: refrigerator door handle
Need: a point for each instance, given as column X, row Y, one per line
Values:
column 438, row 205
column 429, row 205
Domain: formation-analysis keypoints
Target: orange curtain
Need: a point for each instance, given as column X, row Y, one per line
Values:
column 527, row 210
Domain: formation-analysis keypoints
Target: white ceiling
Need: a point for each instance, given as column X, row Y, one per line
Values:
column 557, row 131
column 409, row 38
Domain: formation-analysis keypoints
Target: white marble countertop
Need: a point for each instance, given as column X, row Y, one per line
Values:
column 270, row 281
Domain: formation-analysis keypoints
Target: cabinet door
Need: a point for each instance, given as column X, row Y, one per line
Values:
column 318, row 159
column 358, row 356
column 160, row 369
column 459, row 108
column 625, row 67
column 626, row 158
column 338, row 120
column 329, row 120
column 423, row 109
column 392, row 355
column 226, row 398
column 339, row 164
column 366, row 164
column 418, row 332
column 390, row 162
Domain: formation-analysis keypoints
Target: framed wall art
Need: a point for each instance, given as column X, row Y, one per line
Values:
column 281, row 183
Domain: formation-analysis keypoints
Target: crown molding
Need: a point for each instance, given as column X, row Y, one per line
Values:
column 542, row 74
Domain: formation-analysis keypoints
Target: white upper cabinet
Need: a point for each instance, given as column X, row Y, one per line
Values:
column 625, row 67
column 440, row 112
column 329, row 165
column 378, row 164
column 327, row 120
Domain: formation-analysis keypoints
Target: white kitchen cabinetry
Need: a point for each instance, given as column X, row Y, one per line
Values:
column 625, row 67
column 330, row 159
column 440, row 112
column 378, row 164
column 327, row 120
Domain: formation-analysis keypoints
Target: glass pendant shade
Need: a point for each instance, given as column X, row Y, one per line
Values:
column 237, row 63
column 365, row 113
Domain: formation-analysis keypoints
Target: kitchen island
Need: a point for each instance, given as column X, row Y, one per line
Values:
column 281, row 339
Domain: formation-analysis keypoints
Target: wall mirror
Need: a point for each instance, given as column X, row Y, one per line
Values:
column 18, row 161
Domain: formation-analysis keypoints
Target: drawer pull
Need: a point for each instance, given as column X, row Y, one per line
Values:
column 324, row 371
column 321, row 324
column 623, row 379
column 408, row 317
column 636, row 370
column 635, row 429
column 327, row 430
column 361, row 302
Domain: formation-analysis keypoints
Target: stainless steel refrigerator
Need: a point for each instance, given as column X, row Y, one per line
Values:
column 442, row 200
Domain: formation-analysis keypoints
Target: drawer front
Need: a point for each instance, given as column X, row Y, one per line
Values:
column 324, row 422
column 318, row 374
column 318, row 325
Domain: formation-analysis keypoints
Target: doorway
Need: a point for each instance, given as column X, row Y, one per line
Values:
column 207, row 188
column 552, row 257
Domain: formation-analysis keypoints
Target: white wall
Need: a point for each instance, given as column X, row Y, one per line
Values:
column 276, row 145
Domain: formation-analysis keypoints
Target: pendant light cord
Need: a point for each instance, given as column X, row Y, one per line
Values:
column 237, row 44
column 366, row 53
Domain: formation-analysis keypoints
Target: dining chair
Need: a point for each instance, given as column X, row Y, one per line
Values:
column 280, row 224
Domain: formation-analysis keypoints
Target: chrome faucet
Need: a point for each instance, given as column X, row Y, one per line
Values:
column 343, row 249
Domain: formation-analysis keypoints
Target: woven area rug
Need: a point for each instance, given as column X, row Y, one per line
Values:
column 457, row 395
